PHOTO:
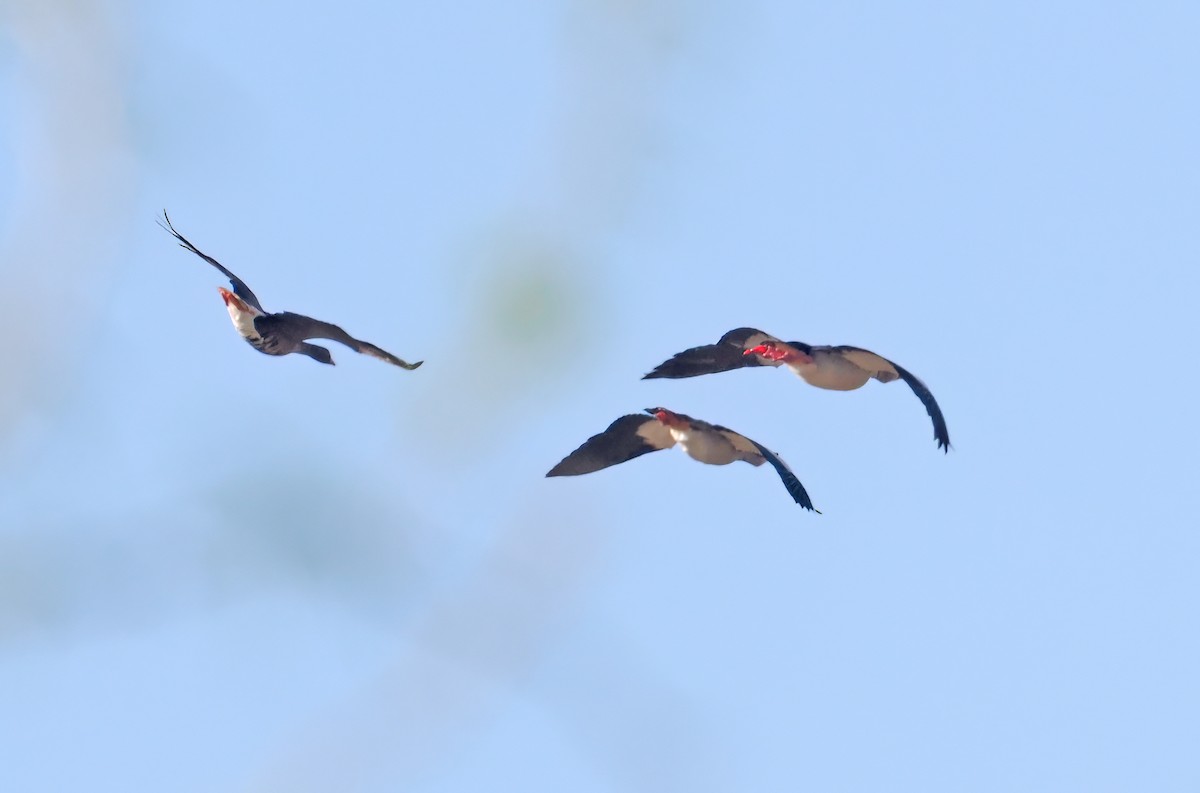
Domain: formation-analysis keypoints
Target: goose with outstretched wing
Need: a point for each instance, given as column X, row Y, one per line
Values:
column 637, row 434
column 841, row 368
column 284, row 332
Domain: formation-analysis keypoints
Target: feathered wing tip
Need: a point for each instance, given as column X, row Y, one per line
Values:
column 790, row 481
column 940, row 432
column 370, row 349
column 239, row 286
column 706, row 359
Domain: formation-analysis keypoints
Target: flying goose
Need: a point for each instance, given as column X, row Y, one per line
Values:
column 284, row 332
column 636, row 434
column 840, row 368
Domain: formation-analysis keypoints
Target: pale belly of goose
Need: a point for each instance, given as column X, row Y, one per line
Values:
column 707, row 447
column 833, row 372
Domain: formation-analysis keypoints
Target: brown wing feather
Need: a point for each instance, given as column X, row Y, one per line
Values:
column 741, row 443
column 880, row 368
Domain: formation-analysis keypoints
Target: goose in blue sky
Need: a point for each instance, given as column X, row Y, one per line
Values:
column 284, row 332
column 840, row 368
column 637, row 434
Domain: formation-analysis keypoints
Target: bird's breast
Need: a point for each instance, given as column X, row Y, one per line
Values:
column 832, row 371
column 707, row 447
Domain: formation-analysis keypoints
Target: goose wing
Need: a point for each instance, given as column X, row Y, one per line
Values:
column 299, row 328
column 725, row 355
column 886, row 371
column 626, row 438
column 239, row 286
column 790, row 481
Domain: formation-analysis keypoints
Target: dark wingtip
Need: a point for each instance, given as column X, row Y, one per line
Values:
column 668, row 370
column 806, row 502
column 800, row 495
column 663, row 371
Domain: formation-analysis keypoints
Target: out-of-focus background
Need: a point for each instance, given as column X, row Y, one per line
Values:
column 221, row 571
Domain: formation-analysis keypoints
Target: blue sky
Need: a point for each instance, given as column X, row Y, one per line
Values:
column 222, row 571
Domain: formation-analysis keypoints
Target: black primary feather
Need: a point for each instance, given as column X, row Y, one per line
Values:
column 239, row 286
column 794, row 488
column 940, row 431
